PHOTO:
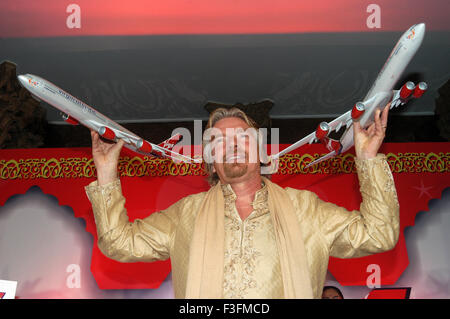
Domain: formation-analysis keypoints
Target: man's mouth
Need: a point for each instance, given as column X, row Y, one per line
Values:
column 235, row 158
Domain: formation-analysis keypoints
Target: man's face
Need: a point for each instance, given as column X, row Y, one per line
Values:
column 235, row 150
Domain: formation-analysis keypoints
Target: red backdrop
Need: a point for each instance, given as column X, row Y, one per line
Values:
column 421, row 172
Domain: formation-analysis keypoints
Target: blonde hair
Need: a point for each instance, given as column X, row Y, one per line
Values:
column 216, row 116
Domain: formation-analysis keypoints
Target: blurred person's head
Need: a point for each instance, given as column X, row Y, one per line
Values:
column 331, row 292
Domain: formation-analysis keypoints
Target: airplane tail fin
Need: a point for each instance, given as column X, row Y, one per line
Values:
column 171, row 141
column 332, row 144
column 165, row 149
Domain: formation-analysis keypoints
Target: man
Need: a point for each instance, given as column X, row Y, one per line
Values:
column 247, row 237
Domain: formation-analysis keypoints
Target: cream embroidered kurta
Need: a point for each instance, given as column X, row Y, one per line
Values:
column 251, row 263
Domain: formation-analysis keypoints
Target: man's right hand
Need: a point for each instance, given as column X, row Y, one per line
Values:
column 106, row 158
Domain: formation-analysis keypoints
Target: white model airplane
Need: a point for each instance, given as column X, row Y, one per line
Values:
column 379, row 95
column 76, row 112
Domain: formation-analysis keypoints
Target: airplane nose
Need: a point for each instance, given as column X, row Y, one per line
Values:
column 22, row 79
column 420, row 27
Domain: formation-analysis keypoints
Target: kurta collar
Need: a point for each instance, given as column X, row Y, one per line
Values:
column 259, row 204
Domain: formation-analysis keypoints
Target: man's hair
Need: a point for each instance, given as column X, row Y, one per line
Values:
column 335, row 288
column 216, row 116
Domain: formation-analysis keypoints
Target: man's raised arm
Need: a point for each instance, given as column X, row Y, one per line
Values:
column 146, row 239
column 375, row 228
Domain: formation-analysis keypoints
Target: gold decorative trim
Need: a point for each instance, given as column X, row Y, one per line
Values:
column 345, row 164
column 52, row 168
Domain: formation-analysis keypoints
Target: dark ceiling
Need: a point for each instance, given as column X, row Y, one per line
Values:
column 134, row 79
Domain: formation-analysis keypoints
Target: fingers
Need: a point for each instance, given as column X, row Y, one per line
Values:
column 371, row 129
column 384, row 115
column 379, row 127
column 95, row 139
column 381, row 118
column 357, row 127
column 105, row 147
column 93, row 134
column 357, row 131
column 118, row 146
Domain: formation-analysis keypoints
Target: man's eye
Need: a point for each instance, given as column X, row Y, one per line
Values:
column 243, row 137
column 217, row 140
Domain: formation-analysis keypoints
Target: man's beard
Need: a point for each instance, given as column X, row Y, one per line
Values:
column 234, row 170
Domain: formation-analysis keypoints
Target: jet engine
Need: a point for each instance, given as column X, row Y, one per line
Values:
column 358, row 110
column 420, row 90
column 407, row 89
column 322, row 130
column 69, row 119
column 144, row 146
column 107, row 133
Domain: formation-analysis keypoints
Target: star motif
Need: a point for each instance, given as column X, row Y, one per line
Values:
column 423, row 189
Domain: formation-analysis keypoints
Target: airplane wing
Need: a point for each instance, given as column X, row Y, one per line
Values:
column 306, row 140
column 363, row 112
column 323, row 158
column 345, row 120
column 141, row 146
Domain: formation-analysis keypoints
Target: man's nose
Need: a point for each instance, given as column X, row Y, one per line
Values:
column 232, row 143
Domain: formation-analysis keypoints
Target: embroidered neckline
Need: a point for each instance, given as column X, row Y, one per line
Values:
column 260, row 203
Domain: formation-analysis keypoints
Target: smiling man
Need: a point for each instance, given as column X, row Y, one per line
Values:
column 247, row 237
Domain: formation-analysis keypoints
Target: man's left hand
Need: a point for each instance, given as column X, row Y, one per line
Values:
column 368, row 141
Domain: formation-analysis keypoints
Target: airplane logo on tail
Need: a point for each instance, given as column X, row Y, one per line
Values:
column 171, row 141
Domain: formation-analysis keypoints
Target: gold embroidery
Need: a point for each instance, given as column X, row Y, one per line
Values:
column 83, row 167
column 105, row 190
column 241, row 257
column 108, row 189
column 389, row 187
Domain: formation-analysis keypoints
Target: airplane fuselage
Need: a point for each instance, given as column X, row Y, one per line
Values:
column 378, row 96
column 381, row 91
column 70, row 105
column 66, row 103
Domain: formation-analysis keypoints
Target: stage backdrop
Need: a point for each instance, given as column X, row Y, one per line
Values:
column 144, row 60
column 421, row 172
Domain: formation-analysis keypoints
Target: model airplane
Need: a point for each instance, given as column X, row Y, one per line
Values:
column 379, row 95
column 76, row 112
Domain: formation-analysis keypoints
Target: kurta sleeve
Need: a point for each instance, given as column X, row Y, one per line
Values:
column 372, row 229
column 143, row 240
